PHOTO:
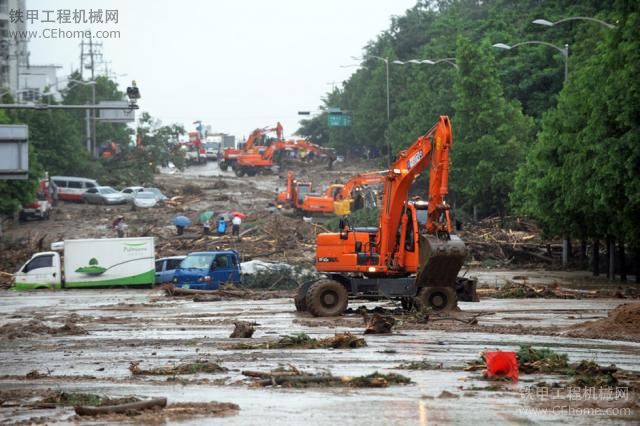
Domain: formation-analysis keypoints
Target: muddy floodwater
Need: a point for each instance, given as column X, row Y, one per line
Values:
column 120, row 326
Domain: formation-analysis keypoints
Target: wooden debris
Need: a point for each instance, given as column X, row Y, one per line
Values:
column 296, row 378
column 378, row 324
column 512, row 239
column 303, row 341
column 243, row 329
column 202, row 366
column 122, row 408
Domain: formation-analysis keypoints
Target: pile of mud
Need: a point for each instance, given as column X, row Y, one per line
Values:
column 16, row 330
column 621, row 324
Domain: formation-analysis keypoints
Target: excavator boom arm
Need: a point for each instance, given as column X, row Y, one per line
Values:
column 410, row 163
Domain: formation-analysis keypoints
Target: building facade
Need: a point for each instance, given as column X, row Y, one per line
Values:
column 13, row 50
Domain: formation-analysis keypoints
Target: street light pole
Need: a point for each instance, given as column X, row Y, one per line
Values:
column 450, row 61
column 572, row 18
column 564, row 51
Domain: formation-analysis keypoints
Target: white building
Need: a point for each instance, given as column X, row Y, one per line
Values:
column 25, row 82
column 13, row 50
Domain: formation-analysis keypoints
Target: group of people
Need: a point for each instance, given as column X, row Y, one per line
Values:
column 221, row 226
column 120, row 226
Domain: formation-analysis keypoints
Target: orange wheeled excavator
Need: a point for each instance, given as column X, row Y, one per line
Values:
column 325, row 203
column 254, row 144
column 253, row 161
column 294, row 195
column 412, row 254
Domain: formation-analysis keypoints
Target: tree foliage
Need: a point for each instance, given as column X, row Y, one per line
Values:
column 581, row 178
column 525, row 140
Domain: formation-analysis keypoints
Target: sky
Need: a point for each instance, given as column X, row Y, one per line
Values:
column 235, row 65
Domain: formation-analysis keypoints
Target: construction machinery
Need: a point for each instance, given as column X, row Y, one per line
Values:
column 254, row 161
column 255, row 143
column 404, row 257
column 337, row 198
column 294, row 195
column 195, row 151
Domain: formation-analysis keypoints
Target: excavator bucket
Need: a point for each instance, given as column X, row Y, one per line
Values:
column 440, row 261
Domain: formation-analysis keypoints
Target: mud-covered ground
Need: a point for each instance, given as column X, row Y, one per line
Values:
column 85, row 341
column 64, row 348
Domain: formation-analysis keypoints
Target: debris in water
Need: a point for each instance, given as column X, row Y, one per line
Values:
column 243, row 329
column 303, row 341
column 201, row 366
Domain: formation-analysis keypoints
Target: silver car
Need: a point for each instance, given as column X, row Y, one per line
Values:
column 145, row 199
column 103, row 195
column 131, row 191
column 160, row 197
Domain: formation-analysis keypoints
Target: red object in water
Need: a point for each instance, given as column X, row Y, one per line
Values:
column 504, row 364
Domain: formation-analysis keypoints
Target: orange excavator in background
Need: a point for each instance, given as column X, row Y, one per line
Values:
column 411, row 255
column 337, row 197
column 294, row 195
column 252, row 162
column 254, row 144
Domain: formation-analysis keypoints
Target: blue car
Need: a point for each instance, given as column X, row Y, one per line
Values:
column 207, row 270
column 166, row 267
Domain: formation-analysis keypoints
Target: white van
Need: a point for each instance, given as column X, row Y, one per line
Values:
column 72, row 188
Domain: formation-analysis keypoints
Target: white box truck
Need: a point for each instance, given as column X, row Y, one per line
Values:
column 90, row 263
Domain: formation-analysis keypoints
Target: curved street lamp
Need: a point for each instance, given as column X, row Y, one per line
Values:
column 564, row 51
column 449, row 61
column 572, row 18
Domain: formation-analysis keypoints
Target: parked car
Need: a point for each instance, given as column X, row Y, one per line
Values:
column 145, row 199
column 166, row 267
column 103, row 195
column 207, row 270
column 131, row 191
column 159, row 195
column 72, row 188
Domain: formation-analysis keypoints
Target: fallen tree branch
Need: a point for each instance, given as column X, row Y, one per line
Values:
column 122, row 408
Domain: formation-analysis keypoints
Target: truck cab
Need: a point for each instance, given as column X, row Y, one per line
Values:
column 42, row 204
column 207, row 270
column 43, row 270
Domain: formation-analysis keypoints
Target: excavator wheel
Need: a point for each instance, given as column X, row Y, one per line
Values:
column 239, row 171
column 223, row 166
column 300, row 300
column 252, row 172
column 326, row 298
column 439, row 299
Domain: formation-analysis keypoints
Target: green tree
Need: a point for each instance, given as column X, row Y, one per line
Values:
column 105, row 90
column 581, row 178
column 492, row 133
column 14, row 193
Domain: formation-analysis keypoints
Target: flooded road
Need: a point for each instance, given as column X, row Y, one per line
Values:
column 143, row 325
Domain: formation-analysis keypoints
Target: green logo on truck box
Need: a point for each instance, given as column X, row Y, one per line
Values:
column 92, row 269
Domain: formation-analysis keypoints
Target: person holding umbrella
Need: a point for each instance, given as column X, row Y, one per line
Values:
column 204, row 218
column 181, row 222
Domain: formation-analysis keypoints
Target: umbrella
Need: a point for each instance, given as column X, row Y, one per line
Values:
column 182, row 221
column 240, row 215
column 205, row 216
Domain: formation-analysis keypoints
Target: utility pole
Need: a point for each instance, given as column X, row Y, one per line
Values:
column 93, row 53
